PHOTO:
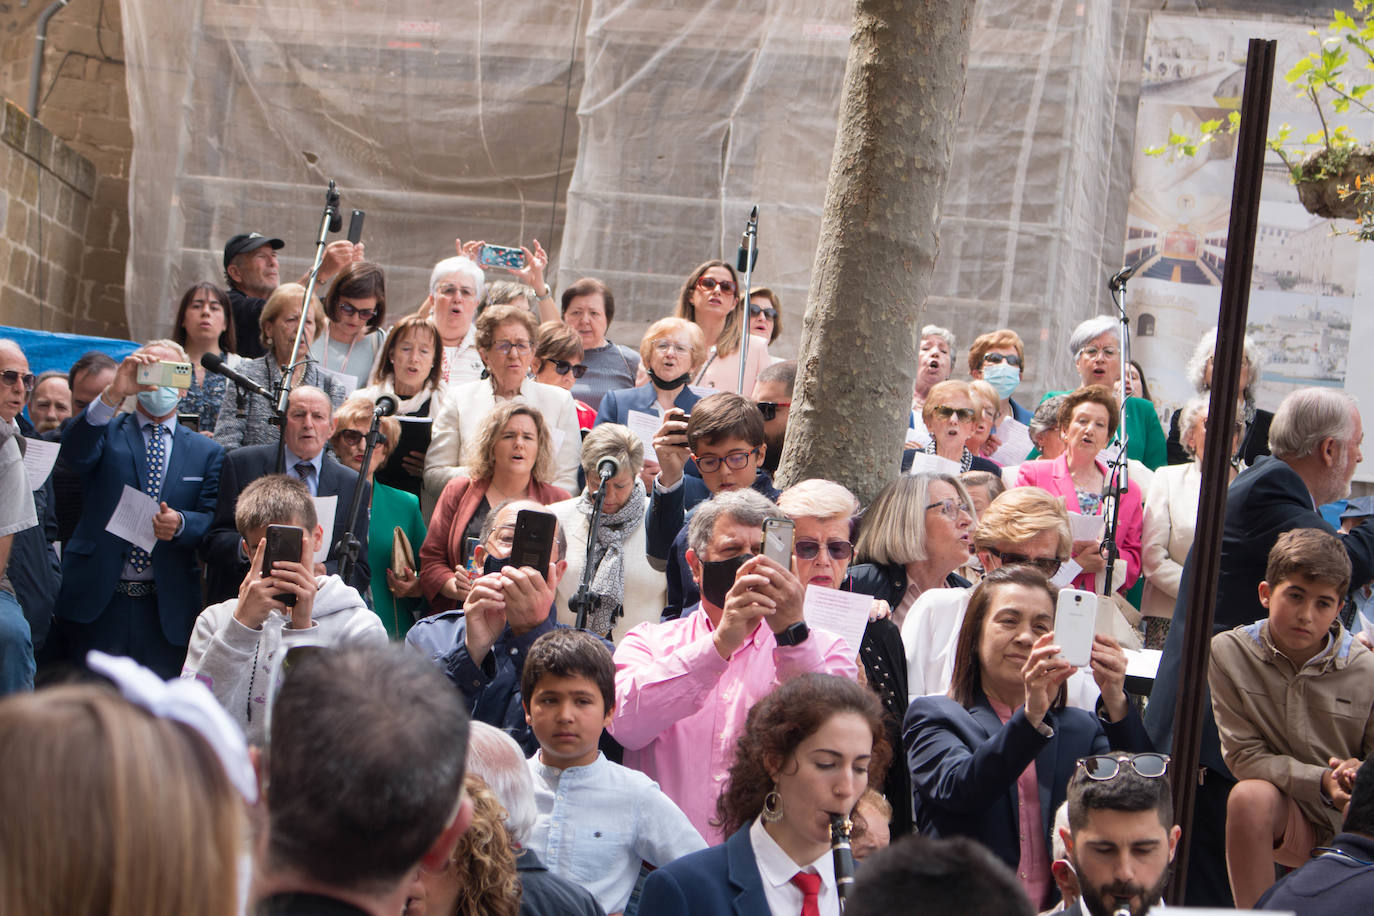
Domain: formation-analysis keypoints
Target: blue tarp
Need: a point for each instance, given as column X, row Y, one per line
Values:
column 47, row 350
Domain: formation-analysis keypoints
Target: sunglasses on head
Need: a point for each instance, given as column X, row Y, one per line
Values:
column 965, row 414
column 1104, row 767
column 352, row 310
column 351, row 437
column 808, row 549
column 709, row 283
column 769, row 409
column 563, row 367
column 1047, row 565
column 13, row 378
column 756, row 310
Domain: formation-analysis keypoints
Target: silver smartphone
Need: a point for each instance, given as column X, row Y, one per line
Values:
column 777, row 541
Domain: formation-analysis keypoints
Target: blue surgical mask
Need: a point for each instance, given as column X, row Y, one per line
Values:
column 160, row 401
column 1002, row 378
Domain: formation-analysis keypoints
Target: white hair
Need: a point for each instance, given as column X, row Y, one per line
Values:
column 1202, row 358
column 458, row 265
column 494, row 755
column 818, row 499
column 934, row 330
column 1309, row 416
column 1090, row 330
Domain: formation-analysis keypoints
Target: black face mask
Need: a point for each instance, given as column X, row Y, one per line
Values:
column 669, row 384
column 717, row 578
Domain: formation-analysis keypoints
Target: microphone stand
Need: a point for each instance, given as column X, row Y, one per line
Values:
column 1118, row 479
column 330, row 221
column 347, row 549
column 748, row 254
column 585, row 600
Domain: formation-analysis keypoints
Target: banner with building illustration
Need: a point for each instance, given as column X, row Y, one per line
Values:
column 1310, row 287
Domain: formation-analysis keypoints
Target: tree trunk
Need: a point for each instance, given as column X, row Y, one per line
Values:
column 903, row 88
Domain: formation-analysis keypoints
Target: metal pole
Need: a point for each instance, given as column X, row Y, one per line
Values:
column 1205, row 561
column 748, row 254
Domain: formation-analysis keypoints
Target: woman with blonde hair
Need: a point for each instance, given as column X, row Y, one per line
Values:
column 671, row 352
column 711, row 299
column 479, row 878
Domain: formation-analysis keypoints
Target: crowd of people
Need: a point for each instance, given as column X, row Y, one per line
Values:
column 494, row 603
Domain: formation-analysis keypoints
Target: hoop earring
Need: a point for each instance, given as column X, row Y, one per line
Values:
column 772, row 807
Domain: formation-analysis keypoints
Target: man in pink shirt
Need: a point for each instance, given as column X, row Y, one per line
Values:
column 684, row 687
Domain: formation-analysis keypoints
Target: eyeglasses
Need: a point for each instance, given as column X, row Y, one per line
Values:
column 709, row 464
column 755, row 311
column 1047, row 565
column 663, row 346
column 1104, row 767
column 1094, row 352
column 950, row 508
column 993, row 359
column 807, row 549
column 352, row 437
column 965, row 414
column 505, row 346
column 449, row 291
column 352, row 310
column 14, row 378
column 504, row 536
column 709, row 283
column 769, row 409
column 563, row 367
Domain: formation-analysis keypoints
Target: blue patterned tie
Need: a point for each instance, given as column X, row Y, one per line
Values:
column 306, row 472
column 139, row 558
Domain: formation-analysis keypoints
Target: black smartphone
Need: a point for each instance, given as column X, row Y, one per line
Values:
column 189, row 420
column 355, row 226
column 533, row 544
column 284, row 543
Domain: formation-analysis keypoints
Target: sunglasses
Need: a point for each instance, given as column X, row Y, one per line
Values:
column 950, row 508
column 1104, row 767
column 769, row 409
column 709, row 464
column 993, row 359
column 807, row 549
column 709, row 283
column 14, row 378
column 563, row 367
column 1047, row 565
column 352, row 437
column 965, row 414
column 755, row 311
column 353, row 310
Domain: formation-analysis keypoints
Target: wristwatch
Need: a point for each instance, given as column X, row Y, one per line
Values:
column 794, row 634
column 547, row 293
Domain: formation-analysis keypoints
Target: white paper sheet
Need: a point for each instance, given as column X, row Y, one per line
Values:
column 917, row 431
column 921, row 463
column 133, row 518
column 1142, row 662
column 326, row 508
column 1016, row 442
column 704, row 391
column 349, row 382
column 39, row 456
column 644, row 425
column 1087, row 527
column 1067, row 573
column 843, row 613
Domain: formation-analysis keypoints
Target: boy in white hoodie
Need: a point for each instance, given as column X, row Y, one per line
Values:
column 234, row 642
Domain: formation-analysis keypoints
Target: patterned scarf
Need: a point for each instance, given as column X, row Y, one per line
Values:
column 608, row 554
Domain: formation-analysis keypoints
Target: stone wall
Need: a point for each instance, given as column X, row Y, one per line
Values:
column 84, row 103
column 46, row 191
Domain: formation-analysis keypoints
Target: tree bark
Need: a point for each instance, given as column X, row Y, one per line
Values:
column 903, row 88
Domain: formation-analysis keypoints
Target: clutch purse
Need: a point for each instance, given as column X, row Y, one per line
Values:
column 402, row 555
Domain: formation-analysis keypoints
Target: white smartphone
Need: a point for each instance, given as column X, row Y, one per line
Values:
column 777, row 541
column 165, row 373
column 1075, row 621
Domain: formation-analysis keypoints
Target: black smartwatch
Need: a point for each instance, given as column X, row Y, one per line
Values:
column 794, row 634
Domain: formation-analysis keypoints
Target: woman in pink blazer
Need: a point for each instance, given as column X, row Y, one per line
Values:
column 1087, row 420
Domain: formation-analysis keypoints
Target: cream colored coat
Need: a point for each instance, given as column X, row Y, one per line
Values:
column 1170, row 518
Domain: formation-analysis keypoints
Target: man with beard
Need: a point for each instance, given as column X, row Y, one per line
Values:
column 1121, row 837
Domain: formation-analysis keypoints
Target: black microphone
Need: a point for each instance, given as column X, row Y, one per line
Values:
column 216, row 365
column 608, row 468
column 742, row 258
column 1120, row 278
column 386, row 406
column 332, row 205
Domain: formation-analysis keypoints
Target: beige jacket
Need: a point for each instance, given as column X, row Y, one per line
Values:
column 1281, row 724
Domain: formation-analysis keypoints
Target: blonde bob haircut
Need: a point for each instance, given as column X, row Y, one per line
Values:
column 818, row 499
column 666, row 326
column 110, row 810
column 894, row 528
column 481, row 455
column 284, row 297
column 1020, row 514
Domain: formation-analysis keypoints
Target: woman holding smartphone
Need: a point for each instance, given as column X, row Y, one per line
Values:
column 809, row 750
column 205, row 324
column 982, row 758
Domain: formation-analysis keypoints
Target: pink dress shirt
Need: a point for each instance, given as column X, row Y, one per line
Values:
column 679, row 706
column 1033, row 869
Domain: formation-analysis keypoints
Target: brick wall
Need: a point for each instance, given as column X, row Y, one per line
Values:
column 83, row 101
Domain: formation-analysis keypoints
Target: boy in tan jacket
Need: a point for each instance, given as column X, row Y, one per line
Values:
column 1293, row 697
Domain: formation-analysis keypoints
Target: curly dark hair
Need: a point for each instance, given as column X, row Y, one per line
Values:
column 783, row 720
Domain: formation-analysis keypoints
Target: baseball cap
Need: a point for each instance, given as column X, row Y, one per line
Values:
column 250, row 241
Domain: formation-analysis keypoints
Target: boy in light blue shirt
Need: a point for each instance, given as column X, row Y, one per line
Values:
column 597, row 821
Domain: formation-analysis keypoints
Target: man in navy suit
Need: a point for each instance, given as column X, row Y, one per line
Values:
column 309, row 424
column 117, row 597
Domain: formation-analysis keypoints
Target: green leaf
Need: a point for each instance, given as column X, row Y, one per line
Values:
column 1298, row 69
column 1210, row 127
column 1155, row 151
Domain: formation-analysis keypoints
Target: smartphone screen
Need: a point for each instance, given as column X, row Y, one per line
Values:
column 777, row 541
column 470, row 551
column 284, row 543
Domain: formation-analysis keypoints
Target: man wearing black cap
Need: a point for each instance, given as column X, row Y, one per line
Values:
column 250, row 267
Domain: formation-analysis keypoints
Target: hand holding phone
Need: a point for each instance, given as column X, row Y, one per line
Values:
column 284, row 543
column 777, row 540
column 1075, row 622
column 165, row 374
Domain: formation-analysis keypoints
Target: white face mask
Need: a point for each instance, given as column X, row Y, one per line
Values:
column 160, row 401
column 1003, row 378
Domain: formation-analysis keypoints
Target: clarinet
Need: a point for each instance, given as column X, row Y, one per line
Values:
column 844, row 858
column 1123, row 909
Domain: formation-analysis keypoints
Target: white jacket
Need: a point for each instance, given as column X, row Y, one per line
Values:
column 235, row 661
column 646, row 591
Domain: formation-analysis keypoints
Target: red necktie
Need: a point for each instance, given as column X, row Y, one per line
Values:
column 810, row 885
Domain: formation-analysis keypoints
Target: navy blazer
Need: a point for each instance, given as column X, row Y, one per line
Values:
column 616, row 405
column 225, row 565
column 710, row 882
column 965, row 763
column 106, row 458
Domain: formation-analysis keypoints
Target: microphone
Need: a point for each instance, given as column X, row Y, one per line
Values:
column 1120, row 278
column 386, row 406
column 840, row 827
column 332, row 205
column 608, row 468
column 742, row 263
column 216, row 365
